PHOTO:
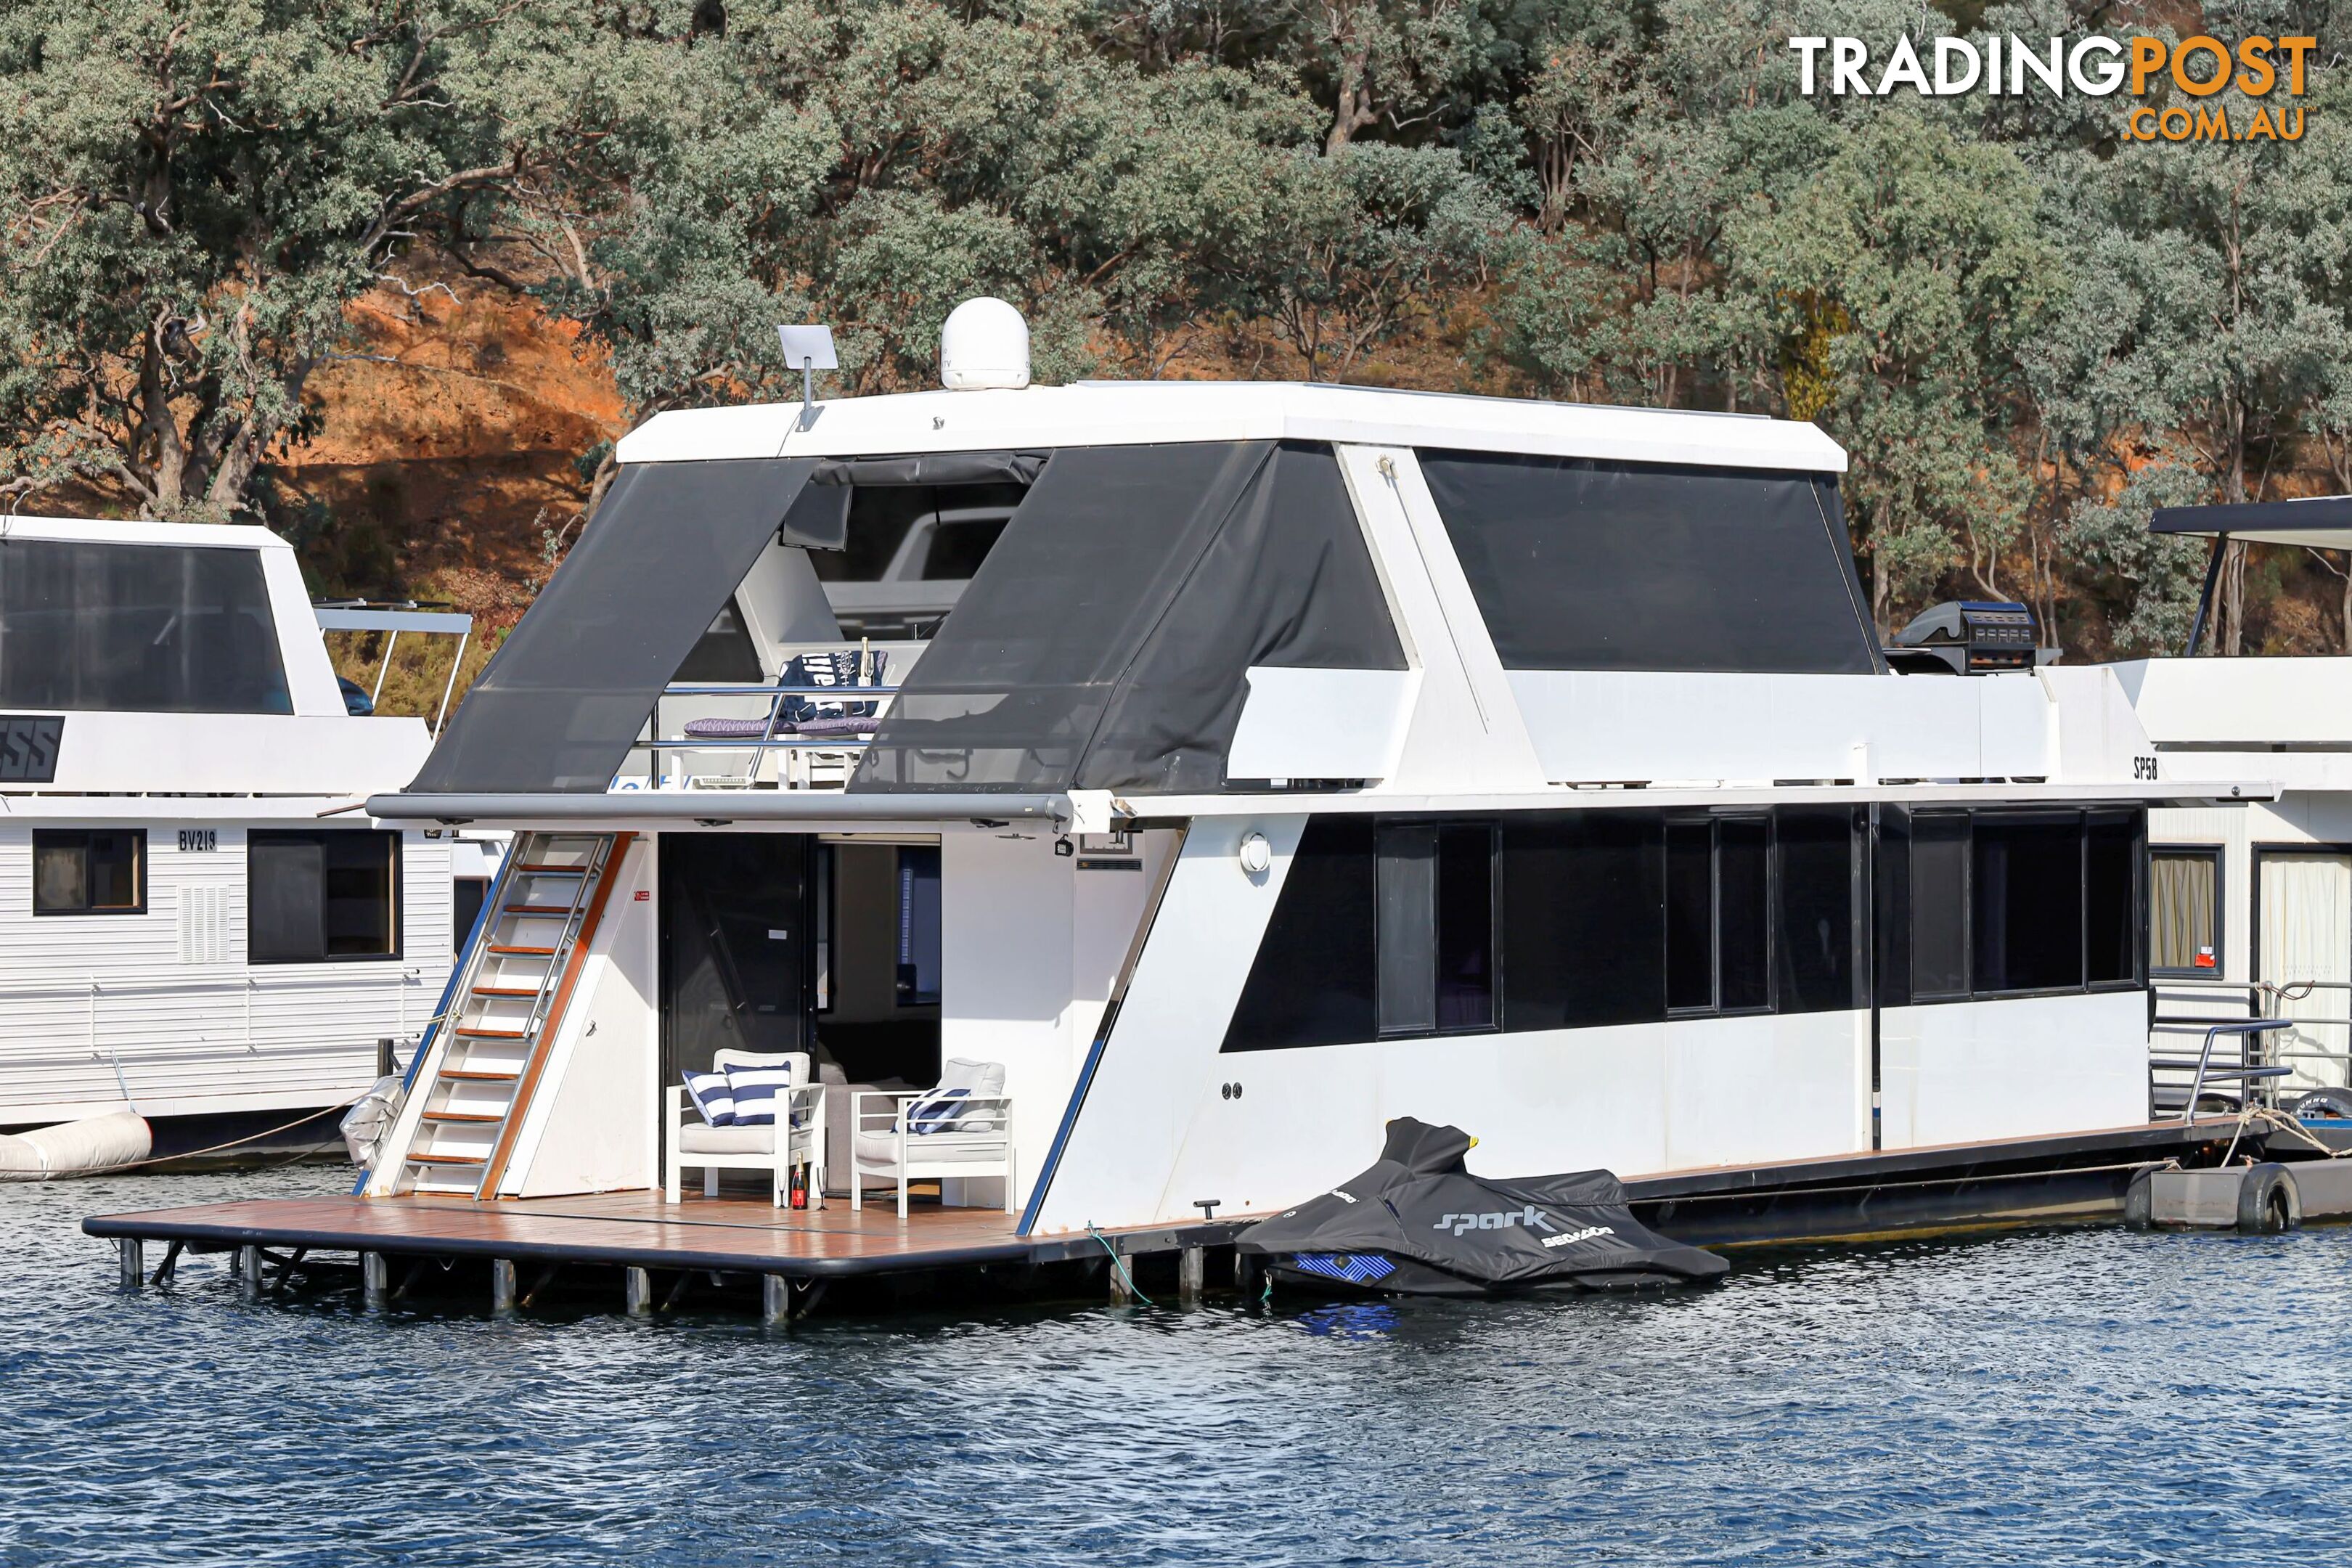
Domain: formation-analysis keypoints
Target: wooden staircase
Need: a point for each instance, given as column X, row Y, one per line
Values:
column 514, row 984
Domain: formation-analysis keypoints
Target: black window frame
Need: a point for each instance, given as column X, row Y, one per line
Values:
column 57, row 837
column 2217, row 854
column 1440, row 829
column 1714, row 822
column 397, row 915
column 1905, row 988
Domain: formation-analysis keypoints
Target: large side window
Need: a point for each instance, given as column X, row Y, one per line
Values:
column 314, row 896
column 137, row 627
column 1815, row 905
column 1719, row 915
column 1579, row 563
column 1939, row 904
column 2025, row 904
column 2112, row 855
column 2005, row 903
column 79, row 871
column 1584, row 907
column 1436, row 928
column 1312, row 982
column 2184, row 911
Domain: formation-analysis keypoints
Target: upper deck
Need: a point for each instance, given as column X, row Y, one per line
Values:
column 166, row 660
column 1204, row 594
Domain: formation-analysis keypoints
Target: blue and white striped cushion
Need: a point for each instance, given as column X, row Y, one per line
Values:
column 712, row 1097
column 936, row 1114
column 756, row 1089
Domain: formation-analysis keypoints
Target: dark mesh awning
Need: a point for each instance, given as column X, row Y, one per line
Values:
column 1579, row 563
column 1103, row 643
column 571, row 687
column 2320, row 522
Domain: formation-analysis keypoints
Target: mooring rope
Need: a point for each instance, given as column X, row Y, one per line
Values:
column 1115, row 1263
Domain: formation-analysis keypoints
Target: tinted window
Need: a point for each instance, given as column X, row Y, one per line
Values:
column 467, row 895
column 323, row 895
column 79, row 872
column 725, row 652
column 160, row 629
column 1584, row 919
column 1939, row 919
column 1690, row 914
column 1891, row 907
column 2111, row 898
column 1743, row 920
column 1579, row 565
column 2026, row 904
column 1465, row 928
column 1311, row 982
column 1408, row 927
column 1814, row 899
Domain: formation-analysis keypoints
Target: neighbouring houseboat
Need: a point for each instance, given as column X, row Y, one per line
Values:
column 199, row 921
column 2251, row 910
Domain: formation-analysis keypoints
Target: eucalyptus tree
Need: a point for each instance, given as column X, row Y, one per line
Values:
column 193, row 192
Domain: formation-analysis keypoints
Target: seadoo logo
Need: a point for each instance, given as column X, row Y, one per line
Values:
column 1574, row 1236
column 1530, row 1217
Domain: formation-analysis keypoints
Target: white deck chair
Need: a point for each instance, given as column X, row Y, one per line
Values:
column 948, row 1136
column 797, row 1139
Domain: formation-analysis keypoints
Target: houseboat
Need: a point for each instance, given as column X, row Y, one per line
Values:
column 1297, row 757
column 200, row 921
column 2251, row 910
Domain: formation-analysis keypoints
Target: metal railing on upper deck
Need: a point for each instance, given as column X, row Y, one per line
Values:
column 776, row 735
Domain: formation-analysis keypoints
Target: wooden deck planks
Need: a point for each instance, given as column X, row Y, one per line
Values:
column 633, row 1229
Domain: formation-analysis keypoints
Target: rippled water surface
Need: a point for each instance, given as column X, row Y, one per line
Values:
column 2068, row 1397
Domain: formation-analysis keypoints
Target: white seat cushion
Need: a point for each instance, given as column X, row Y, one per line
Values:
column 693, row 1140
column 881, row 1149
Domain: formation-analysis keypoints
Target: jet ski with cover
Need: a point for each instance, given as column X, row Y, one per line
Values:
column 1419, row 1224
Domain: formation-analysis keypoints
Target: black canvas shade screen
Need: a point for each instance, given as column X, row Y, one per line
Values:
column 571, row 689
column 1103, row 643
column 151, row 628
column 1582, row 564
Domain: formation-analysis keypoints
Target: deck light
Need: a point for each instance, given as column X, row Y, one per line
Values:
column 1256, row 855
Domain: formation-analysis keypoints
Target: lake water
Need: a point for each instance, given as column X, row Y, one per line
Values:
column 2051, row 1397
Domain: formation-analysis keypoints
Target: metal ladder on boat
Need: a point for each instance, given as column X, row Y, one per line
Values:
column 517, row 978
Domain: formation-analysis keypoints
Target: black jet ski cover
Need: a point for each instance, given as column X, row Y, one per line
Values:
column 1418, row 1223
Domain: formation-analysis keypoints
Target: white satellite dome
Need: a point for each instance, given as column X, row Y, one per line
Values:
column 984, row 345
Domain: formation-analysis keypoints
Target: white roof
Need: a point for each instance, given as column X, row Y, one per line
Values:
column 1122, row 413
column 105, row 530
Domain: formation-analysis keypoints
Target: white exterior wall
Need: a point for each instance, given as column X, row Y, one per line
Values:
column 1957, row 1072
column 592, row 1123
column 98, row 1002
column 1158, row 1132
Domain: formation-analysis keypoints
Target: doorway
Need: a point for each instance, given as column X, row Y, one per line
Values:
column 2303, row 931
column 734, row 946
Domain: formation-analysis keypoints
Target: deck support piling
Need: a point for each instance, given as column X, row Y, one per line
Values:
column 638, row 1290
column 502, row 1286
column 1122, row 1293
column 775, row 1299
column 1191, row 1273
column 132, row 1252
column 375, row 1280
column 248, row 1273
